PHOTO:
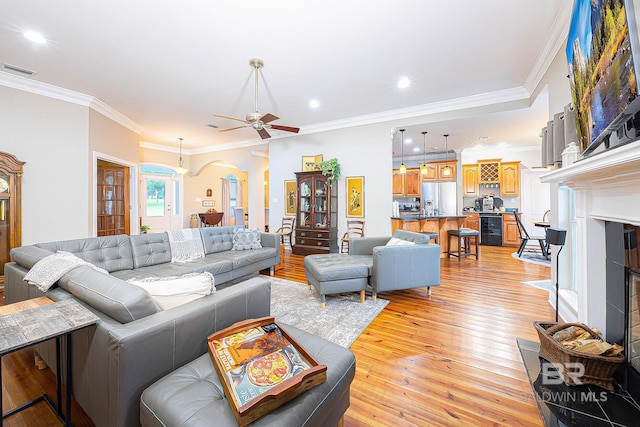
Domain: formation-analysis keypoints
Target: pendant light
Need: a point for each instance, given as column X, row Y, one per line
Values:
column 446, row 171
column 403, row 167
column 423, row 168
column 181, row 169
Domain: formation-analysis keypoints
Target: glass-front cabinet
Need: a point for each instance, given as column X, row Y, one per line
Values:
column 317, row 214
column 10, row 208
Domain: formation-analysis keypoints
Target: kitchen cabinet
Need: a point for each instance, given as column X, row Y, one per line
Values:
column 510, row 179
column 472, row 221
column 510, row 233
column 408, row 184
column 470, row 180
column 317, row 213
column 435, row 171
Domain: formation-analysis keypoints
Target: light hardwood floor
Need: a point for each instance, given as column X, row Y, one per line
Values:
column 446, row 360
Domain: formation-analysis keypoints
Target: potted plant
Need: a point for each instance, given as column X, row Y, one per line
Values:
column 144, row 229
column 331, row 169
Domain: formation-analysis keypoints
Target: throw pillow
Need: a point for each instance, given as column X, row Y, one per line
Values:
column 394, row 241
column 246, row 238
column 50, row 269
column 172, row 291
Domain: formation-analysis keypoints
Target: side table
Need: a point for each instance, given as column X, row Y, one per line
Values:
column 32, row 322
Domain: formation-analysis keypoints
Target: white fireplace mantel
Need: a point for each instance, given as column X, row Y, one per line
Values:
column 606, row 188
column 613, row 168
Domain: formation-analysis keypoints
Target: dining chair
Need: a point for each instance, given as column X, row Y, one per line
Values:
column 238, row 214
column 286, row 231
column 355, row 228
column 525, row 237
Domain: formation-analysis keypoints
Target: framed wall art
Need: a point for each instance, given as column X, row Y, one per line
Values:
column 311, row 163
column 354, row 189
column 290, row 197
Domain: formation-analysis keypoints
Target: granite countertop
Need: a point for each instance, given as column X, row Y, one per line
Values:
column 418, row 216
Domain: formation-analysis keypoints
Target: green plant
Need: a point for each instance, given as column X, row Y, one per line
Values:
column 144, row 228
column 331, row 169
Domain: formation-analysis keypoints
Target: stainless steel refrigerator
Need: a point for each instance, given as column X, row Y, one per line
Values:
column 439, row 198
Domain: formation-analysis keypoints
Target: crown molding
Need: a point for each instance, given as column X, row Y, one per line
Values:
column 56, row 92
column 473, row 101
column 553, row 44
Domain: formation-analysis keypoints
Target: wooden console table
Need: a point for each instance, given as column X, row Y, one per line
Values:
column 34, row 321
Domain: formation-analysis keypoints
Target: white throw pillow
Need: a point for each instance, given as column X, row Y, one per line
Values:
column 246, row 238
column 169, row 292
column 394, row 241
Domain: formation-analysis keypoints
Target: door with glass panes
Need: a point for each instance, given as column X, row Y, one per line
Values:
column 160, row 199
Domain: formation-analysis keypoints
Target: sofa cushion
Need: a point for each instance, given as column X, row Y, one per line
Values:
column 217, row 239
column 150, row 249
column 112, row 253
column 116, row 298
column 28, row 256
column 243, row 258
column 417, row 238
column 169, row 292
column 246, row 238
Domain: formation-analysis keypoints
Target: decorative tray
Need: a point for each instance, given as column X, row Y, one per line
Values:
column 261, row 367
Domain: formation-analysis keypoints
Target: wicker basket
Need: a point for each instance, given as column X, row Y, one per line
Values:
column 598, row 370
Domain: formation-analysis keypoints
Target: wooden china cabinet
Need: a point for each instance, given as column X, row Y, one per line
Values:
column 317, row 214
column 10, row 208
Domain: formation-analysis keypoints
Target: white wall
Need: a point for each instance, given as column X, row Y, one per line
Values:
column 51, row 137
column 361, row 151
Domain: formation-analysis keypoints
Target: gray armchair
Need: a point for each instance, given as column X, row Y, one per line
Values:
column 394, row 268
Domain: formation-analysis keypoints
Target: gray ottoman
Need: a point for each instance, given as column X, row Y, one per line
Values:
column 335, row 274
column 193, row 396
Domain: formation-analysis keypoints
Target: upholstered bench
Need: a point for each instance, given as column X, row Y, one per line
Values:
column 193, row 396
column 335, row 274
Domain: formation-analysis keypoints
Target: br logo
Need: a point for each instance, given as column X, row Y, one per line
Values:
column 553, row 373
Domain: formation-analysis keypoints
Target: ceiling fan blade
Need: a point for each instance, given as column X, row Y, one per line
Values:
column 230, row 118
column 287, row 128
column 226, row 130
column 263, row 133
column 268, row 118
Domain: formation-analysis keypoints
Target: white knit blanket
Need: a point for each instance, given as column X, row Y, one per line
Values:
column 186, row 245
column 51, row 268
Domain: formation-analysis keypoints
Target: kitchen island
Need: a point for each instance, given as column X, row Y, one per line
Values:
column 434, row 224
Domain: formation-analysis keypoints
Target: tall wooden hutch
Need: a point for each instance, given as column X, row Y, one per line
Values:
column 10, row 208
column 317, row 214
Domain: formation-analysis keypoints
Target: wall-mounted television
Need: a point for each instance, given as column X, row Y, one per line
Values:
column 602, row 54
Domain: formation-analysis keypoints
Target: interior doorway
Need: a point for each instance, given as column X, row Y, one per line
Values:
column 161, row 199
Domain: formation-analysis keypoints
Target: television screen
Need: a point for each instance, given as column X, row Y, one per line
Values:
column 600, row 52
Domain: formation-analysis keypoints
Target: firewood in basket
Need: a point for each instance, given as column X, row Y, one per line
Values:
column 615, row 350
column 593, row 346
column 567, row 333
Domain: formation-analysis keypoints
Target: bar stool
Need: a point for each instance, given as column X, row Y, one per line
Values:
column 464, row 236
column 432, row 236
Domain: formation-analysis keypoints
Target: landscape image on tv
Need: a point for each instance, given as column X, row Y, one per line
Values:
column 601, row 67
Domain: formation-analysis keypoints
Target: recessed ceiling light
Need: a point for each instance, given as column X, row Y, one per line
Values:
column 314, row 103
column 404, row 82
column 483, row 138
column 34, row 37
column 416, row 149
column 408, row 141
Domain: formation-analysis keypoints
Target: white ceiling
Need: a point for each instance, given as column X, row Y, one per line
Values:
column 170, row 66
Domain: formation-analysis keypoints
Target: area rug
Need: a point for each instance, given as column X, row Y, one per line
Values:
column 341, row 321
column 540, row 284
column 532, row 257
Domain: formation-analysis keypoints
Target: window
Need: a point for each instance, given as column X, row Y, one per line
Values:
column 233, row 191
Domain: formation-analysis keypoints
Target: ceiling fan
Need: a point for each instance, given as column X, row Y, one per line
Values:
column 254, row 120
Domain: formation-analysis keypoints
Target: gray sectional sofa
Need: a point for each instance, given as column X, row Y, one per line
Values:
column 134, row 344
